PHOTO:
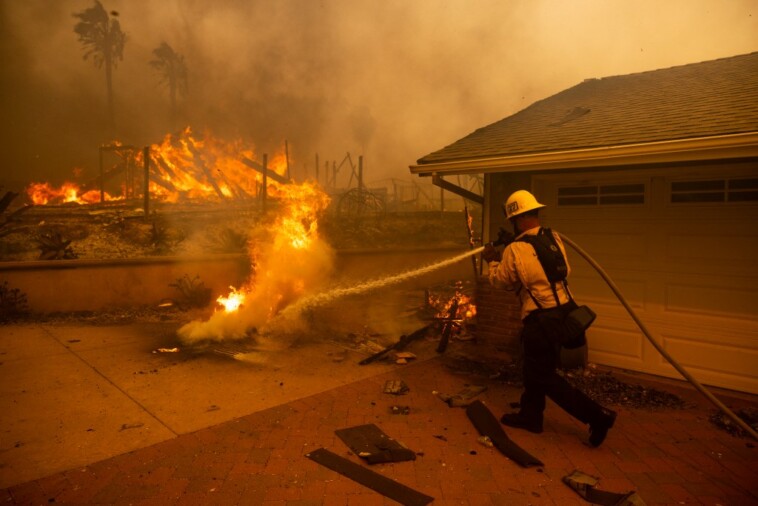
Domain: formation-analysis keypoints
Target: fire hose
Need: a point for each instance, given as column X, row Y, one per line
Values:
column 700, row 388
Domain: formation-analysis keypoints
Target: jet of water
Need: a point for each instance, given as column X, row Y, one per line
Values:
column 322, row 298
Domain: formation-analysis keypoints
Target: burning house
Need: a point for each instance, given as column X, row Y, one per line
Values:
column 654, row 174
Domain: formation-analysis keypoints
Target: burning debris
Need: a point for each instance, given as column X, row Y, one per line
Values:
column 453, row 306
column 185, row 176
column 182, row 167
column 290, row 260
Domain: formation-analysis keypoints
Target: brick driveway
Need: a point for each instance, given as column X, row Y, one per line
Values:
column 668, row 456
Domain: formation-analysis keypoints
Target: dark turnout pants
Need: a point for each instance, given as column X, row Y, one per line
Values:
column 541, row 358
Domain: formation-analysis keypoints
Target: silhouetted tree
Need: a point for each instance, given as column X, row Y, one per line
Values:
column 173, row 72
column 100, row 34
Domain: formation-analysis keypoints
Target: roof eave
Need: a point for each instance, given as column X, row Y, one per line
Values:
column 721, row 147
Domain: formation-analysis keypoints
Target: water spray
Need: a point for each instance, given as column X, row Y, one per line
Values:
column 366, row 286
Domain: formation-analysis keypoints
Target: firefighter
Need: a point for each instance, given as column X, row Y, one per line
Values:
column 520, row 268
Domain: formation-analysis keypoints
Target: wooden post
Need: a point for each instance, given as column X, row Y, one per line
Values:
column 264, row 192
column 102, row 177
column 146, row 157
column 287, row 157
column 360, row 172
column 442, row 200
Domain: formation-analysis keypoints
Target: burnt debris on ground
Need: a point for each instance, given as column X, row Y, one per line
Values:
column 601, row 386
column 605, row 388
column 749, row 415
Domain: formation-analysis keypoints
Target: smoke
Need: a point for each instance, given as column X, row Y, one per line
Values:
column 392, row 80
column 290, row 261
column 283, row 274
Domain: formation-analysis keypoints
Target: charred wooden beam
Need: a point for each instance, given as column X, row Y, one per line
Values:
column 404, row 341
column 199, row 163
column 268, row 172
column 146, row 190
column 164, row 166
column 448, row 325
column 155, row 178
column 6, row 200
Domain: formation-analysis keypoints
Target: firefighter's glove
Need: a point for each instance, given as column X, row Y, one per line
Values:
column 504, row 237
column 491, row 253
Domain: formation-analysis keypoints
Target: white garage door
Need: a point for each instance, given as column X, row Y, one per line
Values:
column 682, row 246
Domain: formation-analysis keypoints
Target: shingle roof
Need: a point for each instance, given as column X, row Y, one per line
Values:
column 705, row 99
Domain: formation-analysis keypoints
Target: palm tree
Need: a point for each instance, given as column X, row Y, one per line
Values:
column 100, row 34
column 173, row 72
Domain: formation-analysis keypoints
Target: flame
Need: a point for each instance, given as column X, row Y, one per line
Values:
column 297, row 225
column 44, row 193
column 466, row 310
column 290, row 261
column 181, row 166
column 289, row 258
column 186, row 166
column 233, row 301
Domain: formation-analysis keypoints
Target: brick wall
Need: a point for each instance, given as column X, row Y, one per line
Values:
column 498, row 313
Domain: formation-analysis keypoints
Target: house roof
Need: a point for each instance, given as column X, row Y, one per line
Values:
column 644, row 111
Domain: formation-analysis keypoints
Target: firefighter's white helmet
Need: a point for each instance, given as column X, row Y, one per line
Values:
column 520, row 202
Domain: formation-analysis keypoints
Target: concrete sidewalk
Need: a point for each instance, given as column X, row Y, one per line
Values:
column 72, row 395
column 668, row 456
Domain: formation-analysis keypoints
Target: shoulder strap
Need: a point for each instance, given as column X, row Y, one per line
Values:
column 551, row 236
column 532, row 241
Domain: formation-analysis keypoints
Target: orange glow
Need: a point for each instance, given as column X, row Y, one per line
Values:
column 43, row 193
column 182, row 166
column 185, row 166
column 233, row 301
column 292, row 234
column 297, row 223
column 466, row 310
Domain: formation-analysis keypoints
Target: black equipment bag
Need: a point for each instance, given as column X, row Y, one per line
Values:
column 566, row 323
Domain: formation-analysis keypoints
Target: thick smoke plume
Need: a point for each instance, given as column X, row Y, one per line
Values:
column 391, row 80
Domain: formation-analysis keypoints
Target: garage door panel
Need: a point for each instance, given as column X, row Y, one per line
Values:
column 615, row 248
column 684, row 299
column 707, row 356
column 687, row 268
column 614, row 341
column 593, row 289
column 726, row 332
column 718, row 247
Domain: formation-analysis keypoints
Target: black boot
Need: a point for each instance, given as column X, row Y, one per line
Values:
column 599, row 428
column 520, row 421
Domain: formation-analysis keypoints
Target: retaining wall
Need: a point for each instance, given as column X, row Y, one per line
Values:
column 92, row 285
